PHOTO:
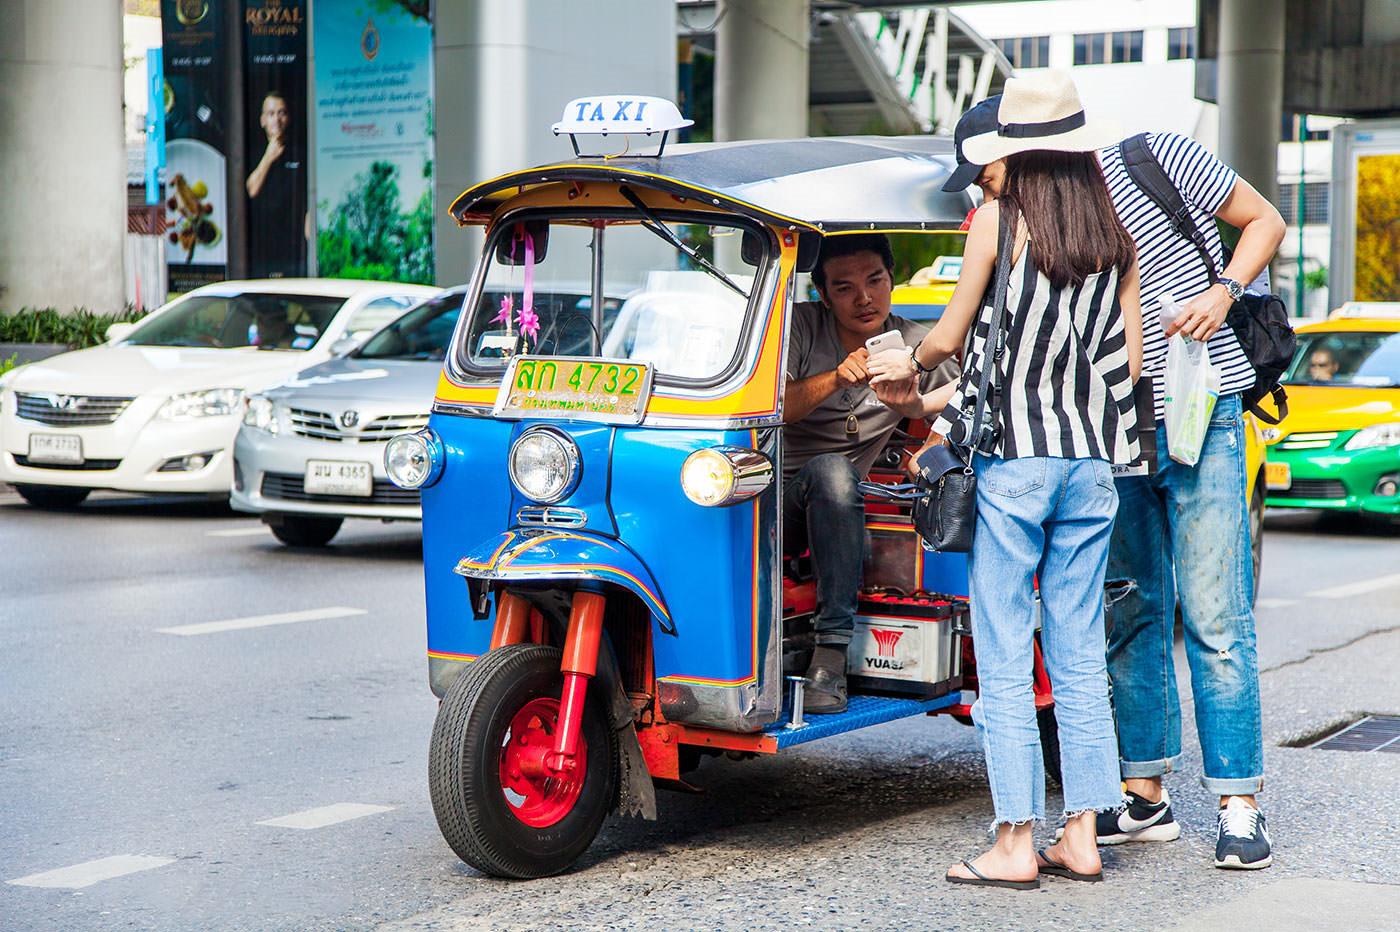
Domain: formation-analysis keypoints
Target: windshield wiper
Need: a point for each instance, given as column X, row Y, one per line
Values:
column 654, row 224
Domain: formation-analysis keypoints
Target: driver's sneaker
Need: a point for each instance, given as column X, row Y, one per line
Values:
column 1138, row 820
column 1242, row 839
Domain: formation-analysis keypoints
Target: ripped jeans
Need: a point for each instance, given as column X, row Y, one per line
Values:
column 1183, row 533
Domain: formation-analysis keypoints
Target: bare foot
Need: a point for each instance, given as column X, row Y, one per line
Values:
column 998, row 866
column 1077, row 860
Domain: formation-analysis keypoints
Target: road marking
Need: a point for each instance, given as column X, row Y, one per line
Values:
column 1277, row 603
column 1357, row 588
column 322, row 816
column 262, row 621
column 90, row 872
column 239, row 532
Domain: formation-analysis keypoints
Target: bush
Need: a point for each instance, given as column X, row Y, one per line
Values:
column 9, row 362
column 79, row 329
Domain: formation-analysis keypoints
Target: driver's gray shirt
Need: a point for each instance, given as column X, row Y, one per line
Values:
column 814, row 347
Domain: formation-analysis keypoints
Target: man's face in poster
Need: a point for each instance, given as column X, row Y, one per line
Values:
column 274, row 118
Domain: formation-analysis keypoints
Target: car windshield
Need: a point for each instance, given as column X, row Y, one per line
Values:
column 267, row 321
column 423, row 333
column 1355, row 359
column 679, row 305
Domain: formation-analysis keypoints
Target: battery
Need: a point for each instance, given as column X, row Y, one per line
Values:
column 907, row 645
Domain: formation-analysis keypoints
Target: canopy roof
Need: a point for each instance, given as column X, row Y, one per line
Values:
column 831, row 183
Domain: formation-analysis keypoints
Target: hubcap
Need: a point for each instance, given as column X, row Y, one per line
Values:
column 536, row 794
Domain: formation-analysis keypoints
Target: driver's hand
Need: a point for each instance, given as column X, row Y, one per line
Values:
column 852, row 369
column 891, row 365
column 902, row 396
column 911, row 465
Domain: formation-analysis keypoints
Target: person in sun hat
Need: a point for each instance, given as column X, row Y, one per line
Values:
column 1062, row 415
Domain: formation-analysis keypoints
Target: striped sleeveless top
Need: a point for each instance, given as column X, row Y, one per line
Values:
column 1066, row 390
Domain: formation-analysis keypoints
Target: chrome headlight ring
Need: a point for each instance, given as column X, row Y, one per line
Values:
column 718, row 476
column 544, row 465
column 414, row 460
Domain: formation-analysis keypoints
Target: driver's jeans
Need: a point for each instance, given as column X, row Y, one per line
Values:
column 824, row 512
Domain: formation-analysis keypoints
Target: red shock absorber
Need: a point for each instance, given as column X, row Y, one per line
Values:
column 512, row 620
column 580, row 664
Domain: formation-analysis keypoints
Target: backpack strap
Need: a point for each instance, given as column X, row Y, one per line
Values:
column 1147, row 173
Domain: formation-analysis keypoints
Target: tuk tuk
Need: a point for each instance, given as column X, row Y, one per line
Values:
column 608, row 599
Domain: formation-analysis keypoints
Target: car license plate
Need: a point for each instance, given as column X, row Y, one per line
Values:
column 1278, row 476
column 590, row 389
column 336, row 477
column 55, row 448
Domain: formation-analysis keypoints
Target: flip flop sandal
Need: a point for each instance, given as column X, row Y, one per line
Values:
column 1055, row 869
column 979, row 879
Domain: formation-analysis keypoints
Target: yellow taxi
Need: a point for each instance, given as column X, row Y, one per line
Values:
column 928, row 291
column 1339, row 447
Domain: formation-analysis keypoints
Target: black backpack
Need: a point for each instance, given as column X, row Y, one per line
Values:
column 1259, row 322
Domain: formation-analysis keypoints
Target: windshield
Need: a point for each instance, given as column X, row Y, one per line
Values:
column 423, row 333
column 661, row 303
column 267, row 321
column 1356, row 359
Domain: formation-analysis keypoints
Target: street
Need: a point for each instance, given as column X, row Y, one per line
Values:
column 160, row 771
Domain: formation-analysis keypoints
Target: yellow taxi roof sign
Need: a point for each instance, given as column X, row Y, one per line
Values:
column 610, row 114
column 1354, row 309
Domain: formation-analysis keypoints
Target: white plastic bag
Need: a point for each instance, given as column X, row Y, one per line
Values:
column 1192, row 386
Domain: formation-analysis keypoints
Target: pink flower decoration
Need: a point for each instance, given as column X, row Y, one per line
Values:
column 507, row 307
column 529, row 322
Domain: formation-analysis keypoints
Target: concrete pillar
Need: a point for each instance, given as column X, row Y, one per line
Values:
column 761, row 69
column 1249, row 89
column 62, row 155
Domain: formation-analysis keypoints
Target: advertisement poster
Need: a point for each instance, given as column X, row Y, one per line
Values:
column 196, row 195
column 374, row 147
column 275, row 83
column 1377, row 233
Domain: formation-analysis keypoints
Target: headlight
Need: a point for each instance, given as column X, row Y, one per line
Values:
column 544, row 465
column 212, row 403
column 1377, row 435
column 717, row 476
column 261, row 412
column 414, row 460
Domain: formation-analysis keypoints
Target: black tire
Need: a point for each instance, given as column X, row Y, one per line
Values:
column 304, row 531
column 1050, row 742
column 1256, row 533
column 464, row 778
column 52, row 496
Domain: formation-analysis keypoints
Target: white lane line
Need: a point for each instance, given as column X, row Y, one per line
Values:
column 1357, row 588
column 90, row 872
column 239, row 532
column 262, row 621
column 1277, row 603
column 322, row 816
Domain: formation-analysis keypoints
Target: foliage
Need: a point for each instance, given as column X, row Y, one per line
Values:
column 1377, row 228
column 79, row 328
column 914, row 251
column 1316, row 279
column 371, row 238
column 9, row 362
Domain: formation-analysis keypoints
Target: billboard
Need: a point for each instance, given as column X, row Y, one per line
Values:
column 1365, row 263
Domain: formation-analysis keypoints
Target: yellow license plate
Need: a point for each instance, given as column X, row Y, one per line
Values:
column 1278, row 475
column 587, row 389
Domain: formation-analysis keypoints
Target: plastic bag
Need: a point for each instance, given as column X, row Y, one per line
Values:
column 1192, row 386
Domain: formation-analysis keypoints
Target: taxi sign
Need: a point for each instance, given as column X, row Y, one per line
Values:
column 576, row 388
column 619, row 113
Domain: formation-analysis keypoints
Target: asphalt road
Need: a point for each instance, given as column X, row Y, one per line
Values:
column 141, row 761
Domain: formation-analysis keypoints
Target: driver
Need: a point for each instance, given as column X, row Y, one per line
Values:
column 835, row 428
column 1322, row 365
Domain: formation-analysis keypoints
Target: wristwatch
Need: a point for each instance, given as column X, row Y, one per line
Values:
column 919, row 368
column 1235, row 289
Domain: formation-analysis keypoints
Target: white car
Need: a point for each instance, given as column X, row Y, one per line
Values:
column 156, row 408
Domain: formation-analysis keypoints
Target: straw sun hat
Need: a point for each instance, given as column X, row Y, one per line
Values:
column 1041, row 111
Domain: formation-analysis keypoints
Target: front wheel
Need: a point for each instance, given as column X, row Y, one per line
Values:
column 492, row 811
column 302, row 531
column 52, row 496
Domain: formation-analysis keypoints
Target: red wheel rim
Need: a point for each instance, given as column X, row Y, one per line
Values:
column 536, row 796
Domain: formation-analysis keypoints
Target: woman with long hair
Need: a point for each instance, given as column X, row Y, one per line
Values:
column 1068, row 351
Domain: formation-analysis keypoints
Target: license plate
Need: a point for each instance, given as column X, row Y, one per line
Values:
column 335, row 477
column 1278, row 475
column 588, row 389
column 55, row 448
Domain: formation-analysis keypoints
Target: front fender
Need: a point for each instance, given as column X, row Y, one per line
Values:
column 546, row 555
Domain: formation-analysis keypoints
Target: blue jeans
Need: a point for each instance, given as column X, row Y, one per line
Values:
column 1183, row 534
column 1051, row 519
column 824, row 512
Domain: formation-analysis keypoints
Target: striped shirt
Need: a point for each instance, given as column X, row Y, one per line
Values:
column 1168, row 263
column 1066, row 389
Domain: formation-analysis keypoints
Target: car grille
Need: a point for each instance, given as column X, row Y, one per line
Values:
column 71, row 410
column 1312, row 440
column 86, row 465
column 1312, row 488
column 321, row 425
column 289, row 486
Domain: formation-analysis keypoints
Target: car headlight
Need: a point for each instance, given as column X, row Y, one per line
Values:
column 414, row 460
column 544, row 465
column 215, row 402
column 1377, row 435
column 718, row 476
column 261, row 412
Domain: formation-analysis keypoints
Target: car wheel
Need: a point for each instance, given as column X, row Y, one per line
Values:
column 1050, row 743
column 52, row 496
column 1256, row 533
column 301, row 531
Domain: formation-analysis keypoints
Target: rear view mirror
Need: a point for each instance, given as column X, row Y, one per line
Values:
column 118, row 332
column 809, row 246
column 344, row 345
column 510, row 248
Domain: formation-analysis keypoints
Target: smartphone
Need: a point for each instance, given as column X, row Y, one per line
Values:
column 890, row 339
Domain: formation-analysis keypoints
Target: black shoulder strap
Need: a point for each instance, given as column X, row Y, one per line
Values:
column 1147, row 173
column 996, row 334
